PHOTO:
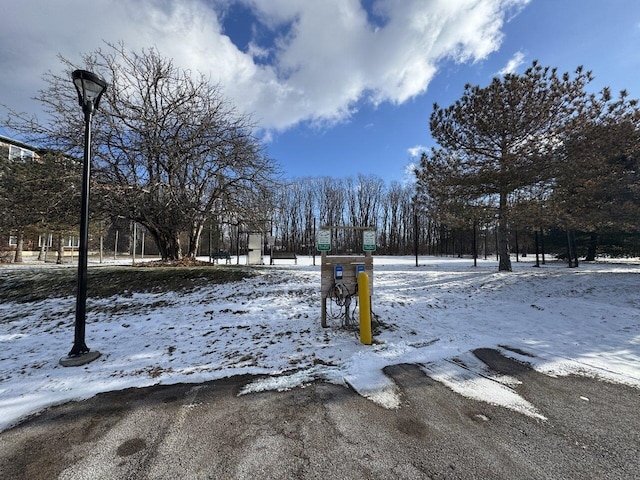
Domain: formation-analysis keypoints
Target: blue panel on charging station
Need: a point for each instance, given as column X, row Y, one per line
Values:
column 359, row 268
column 337, row 272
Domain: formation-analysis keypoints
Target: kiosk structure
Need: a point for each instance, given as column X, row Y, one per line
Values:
column 254, row 249
column 339, row 273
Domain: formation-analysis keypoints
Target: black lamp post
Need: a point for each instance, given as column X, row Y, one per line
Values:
column 90, row 88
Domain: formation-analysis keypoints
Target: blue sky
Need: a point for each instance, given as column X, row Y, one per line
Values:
column 337, row 87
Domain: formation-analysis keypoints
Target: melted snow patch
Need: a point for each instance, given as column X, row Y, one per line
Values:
column 378, row 388
column 619, row 366
column 477, row 387
column 280, row 383
column 299, row 378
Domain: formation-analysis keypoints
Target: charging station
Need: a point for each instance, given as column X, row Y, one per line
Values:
column 339, row 275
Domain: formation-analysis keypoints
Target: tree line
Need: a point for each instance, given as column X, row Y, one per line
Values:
column 308, row 203
column 171, row 154
column 527, row 156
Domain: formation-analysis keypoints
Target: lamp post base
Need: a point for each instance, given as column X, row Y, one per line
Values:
column 78, row 360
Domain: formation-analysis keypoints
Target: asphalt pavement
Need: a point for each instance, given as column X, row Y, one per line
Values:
column 326, row 431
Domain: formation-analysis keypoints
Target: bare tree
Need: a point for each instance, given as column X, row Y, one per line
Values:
column 364, row 197
column 168, row 144
column 331, row 206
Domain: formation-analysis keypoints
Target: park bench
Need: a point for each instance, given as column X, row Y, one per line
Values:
column 221, row 255
column 279, row 255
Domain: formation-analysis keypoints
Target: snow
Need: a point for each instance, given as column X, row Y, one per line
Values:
column 478, row 387
column 561, row 321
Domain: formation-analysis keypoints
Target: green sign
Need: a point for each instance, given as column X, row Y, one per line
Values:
column 323, row 240
column 369, row 240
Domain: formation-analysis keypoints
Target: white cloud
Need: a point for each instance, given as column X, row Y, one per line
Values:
column 409, row 177
column 513, row 64
column 416, row 151
column 414, row 162
column 331, row 57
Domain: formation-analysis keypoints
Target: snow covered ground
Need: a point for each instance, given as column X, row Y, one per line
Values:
column 562, row 321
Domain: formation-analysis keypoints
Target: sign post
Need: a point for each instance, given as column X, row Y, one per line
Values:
column 323, row 240
column 369, row 240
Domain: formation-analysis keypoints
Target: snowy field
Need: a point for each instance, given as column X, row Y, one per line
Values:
column 583, row 321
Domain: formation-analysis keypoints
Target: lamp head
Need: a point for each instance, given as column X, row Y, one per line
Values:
column 90, row 88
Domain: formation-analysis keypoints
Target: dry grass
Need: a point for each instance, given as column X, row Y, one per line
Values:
column 37, row 283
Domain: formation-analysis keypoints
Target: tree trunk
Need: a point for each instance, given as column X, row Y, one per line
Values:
column 43, row 243
column 19, row 247
column 194, row 240
column 571, row 249
column 504, row 264
column 132, row 239
column 475, row 244
column 591, row 250
column 60, row 249
column 486, row 249
column 574, row 249
column 167, row 241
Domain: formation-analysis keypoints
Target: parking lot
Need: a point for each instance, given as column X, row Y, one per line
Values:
column 328, row 431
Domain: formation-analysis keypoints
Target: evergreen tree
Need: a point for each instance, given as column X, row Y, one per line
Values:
column 599, row 172
column 495, row 142
column 38, row 194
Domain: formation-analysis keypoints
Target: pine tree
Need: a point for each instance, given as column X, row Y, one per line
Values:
column 494, row 143
column 596, row 188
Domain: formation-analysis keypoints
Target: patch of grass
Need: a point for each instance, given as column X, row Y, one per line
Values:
column 36, row 284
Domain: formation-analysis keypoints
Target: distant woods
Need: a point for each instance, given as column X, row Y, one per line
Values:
column 307, row 203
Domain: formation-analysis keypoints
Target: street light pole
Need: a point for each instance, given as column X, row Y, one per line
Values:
column 90, row 88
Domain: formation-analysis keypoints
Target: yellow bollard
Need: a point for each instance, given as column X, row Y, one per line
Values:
column 365, row 308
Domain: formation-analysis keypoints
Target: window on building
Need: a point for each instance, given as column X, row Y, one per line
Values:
column 73, row 242
column 46, row 239
column 20, row 153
